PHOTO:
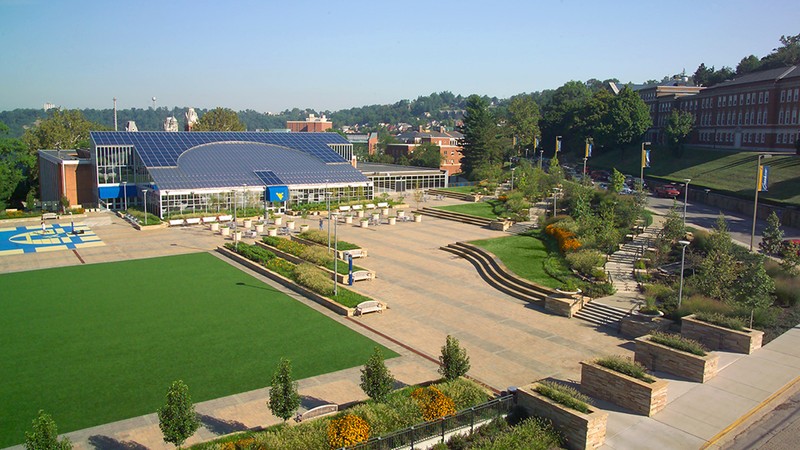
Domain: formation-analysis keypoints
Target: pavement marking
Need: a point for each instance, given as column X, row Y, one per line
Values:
column 79, row 256
column 749, row 414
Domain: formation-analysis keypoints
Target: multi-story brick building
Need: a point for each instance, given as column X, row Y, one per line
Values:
column 312, row 124
column 447, row 141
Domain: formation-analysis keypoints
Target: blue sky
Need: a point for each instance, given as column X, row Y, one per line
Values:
column 273, row 55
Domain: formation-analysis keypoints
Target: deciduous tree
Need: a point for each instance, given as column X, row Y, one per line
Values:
column 219, row 119
column 44, row 435
column 523, row 122
column 454, row 361
column 426, row 154
column 376, row 380
column 679, row 125
column 283, row 397
column 177, row 418
column 772, row 237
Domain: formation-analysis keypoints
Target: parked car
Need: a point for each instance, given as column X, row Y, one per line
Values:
column 788, row 242
column 668, row 191
column 600, row 175
column 625, row 191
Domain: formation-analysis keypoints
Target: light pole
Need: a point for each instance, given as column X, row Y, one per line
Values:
column 165, row 203
column 512, row 177
column 641, row 173
column 125, row 194
column 685, row 199
column 244, row 199
column 71, row 223
column 193, row 202
column 683, row 258
column 555, row 196
column 234, row 206
column 558, row 146
column 541, row 156
column 755, row 203
column 144, row 196
column 328, row 205
column 335, row 258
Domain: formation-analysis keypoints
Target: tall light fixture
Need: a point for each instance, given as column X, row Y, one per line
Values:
column 755, row 203
column 512, row 177
column 685, row 199
column 144, row 195
column 125, row 194
column 683, row 259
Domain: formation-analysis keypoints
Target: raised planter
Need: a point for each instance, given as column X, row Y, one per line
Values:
column 392, row 220
column 364, row 224
column 272, row 231
column 565, row 306
column 401, row 213
column 360, row 213
column 417, row 217
column 635, row 326
column 248, row 223
column 324, row 301
column 259, row 228
column 500, row 225
column 385, row 211
column 290, row 224
column 278, row 220
column 716, row 337
column 214, row 226
column 581, row 431
column 225, row 231
column 237, row 236
column 304, row 228
column 661, row 358
column 623, row 390
column 348, row 219
column 376, row 217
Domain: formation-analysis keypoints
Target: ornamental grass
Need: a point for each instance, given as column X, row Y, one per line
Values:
column 564, row 395
column 679, row 342
column 626, row 366
column 732, row 323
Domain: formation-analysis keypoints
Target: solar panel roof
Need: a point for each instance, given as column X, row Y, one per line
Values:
column 233, row 164
column 162, row 149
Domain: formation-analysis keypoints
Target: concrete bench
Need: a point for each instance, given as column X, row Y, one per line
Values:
column 355, row 253
column 193, row 221
column 225, row 218
column 370, row 206
column 211, row 219
column 368, row 307
column 49, row 216
column 319, row 411
column 362, row 275
column 357, row 207
column 383, row 205
column 175, row 222
column 344, row 208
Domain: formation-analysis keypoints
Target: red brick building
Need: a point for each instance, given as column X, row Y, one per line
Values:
column 67, row 173
column 661, row 98
column 447, row 141
column 312, row 124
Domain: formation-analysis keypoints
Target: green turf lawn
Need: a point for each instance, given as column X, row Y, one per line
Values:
column 97, row 343
column 721, row 171
column 523, row 255
column 480, row 209
column 459, row 189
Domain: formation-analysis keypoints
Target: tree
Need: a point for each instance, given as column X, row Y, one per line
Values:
column 702, row 75
column 454, row 361
column 426, row 154
column 376, row 380
column 791, row 258
column 523, row 122
column 283, row 397
column 219, row 119
column 15, row 165
column 629, row 117
column 786, row 55
column 177, row 418
column 617, row 181
column 479, row 144
column 748, row 64
column 754, row 287
column 44, row 435
column 679, row 125
column 772, row 237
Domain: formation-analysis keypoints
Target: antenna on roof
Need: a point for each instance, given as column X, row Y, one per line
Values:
column 115, row 114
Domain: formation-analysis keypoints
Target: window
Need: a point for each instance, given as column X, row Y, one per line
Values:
column 783, row 96
column 719, row 102
column 766, row 97
column 741, row 99
column 739, row 119
column 796, row 92
column 794, row 115
column 780, row 117
column 747, row 98
column 791, row 138
column 758, row 121
column 760, row 98
column 766, row 121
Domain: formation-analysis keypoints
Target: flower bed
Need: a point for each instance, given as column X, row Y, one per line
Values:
column 298, row 253
column 653, row 353
column 321, row 238
column 717, row 337
column 615, row 383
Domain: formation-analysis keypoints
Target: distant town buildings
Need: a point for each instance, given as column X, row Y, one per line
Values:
column 312, row 124
column 447, row 141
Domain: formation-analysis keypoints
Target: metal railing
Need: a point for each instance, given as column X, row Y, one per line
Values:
column 463, row 420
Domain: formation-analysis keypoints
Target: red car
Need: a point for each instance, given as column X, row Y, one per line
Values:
column 788, row 242
column 668, row 190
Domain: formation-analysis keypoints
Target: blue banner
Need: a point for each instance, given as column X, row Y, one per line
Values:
column 589, row 150
column 277, row 193
column 350, row 269
column 763, row 178
column 647, row 158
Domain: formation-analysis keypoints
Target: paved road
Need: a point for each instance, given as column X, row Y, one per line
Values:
column 778, row 429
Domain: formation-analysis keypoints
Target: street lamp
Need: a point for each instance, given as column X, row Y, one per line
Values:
column 144, row 196
column 641, row 173
column 234, row 206
column 335, row 257
column 165, row 203
column 541, row 156
column 685, row 199
column 71, row 223
column 755, row 203
column 683, row 258
column 512, row 177
column 328, row 205
column 555, row 196
column 125, row 194
column 558, row 146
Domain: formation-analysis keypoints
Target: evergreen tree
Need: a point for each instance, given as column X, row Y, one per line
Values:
column 617, row 181
column 454, row 361
column 177, row 418
column 772, row 237
column 479, row 130
column 376, row 380
column 44, row 435
column 283, row 397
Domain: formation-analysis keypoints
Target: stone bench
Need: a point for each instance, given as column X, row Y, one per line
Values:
column 319, row 411
column 211, row 219
column 176, row 222
column 368, row 307
column 49, row 216
column 225, row 218
column 193, row 221
column 362, row 275
column 355, row 253
column 383, row 205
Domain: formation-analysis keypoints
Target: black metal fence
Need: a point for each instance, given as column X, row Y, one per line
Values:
column 462, row 420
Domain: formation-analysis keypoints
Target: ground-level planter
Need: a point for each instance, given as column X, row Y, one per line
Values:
column 392, row 220
column 272, row 231
column 676, row 362
column 225, row 231
column 348, row 219
column 365, row 224
column 214, row 226
column 290, row 224
column 304, row 228
column 278, row 220
column 580, row 430
column 623, row 390
column 635, row 326
column 259, row 228
column 417, row 217
column 716, row 337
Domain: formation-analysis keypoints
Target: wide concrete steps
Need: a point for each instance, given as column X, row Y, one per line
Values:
column 457, row 217
column 600, row 314
column 497, row 275
column 450, row 194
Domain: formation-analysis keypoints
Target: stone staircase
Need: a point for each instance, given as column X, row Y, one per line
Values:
column 521, row 227
column 497, row 275
column 458, row 217
column 600, row 314
column 450, row 194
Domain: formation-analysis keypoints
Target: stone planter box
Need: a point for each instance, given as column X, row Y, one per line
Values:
column 417, row 217
column 661, row 358
column 474, row 197
column 720, row 338
column 225, row 231
column 304, row 228
column 401, row 213
column 563, row 305
column 290, row 224
column 272, row 231
column 260, row 228
column 581, row 430
column 278, row 220
column 359, row 213
column 214, row 226
column 385, row 211
column 237, row 236
column 348, row 219
column 623, row 390
column 635, row 326
column 500, row 225
column 248, row 223
column 365, row 224
column 392, row 220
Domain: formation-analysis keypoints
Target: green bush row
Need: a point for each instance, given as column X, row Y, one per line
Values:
column 251, row 252
column 585, row 261
column 530, row 434
column 625, row 365
column 679, row 342
column 733, row 323
column 321, row 237
column 564, row 395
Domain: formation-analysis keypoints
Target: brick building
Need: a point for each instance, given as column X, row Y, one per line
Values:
column 312, row 124
column 661, row 98
column 67, row 173
column 447, row 141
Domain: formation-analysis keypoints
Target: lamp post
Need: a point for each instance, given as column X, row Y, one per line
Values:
column 685, row 199
column 558, row 146
column 541, row 156
column 125, row 194
column 555, row 196
column 328, row 205
column 71, row 223
column 193, row 201
column 755, row 203
column 144, row 196
column 165, row 203
column 512, row 177
column 244, row 199
column 641, row 172
column 335, row 257
column 234, row 206
column 683, row 258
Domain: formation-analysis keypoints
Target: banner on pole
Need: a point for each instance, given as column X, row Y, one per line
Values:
column 589, row 150
column 763, row 178
column 558, row 145
column 645, row 158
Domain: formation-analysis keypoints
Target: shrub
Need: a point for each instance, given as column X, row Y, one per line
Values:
column 251, row 252
column 347, row 430
column 281, row 266
column 596, row 290
column 699, row 303
column 321, row 237
column 313, row 278
column 564, row 395
column 733, row 323
column 679, row 342
column 584, row 261
column 316, row 254
column 639, row 264
column 599, row 274
column 531, row 434
column 567, row 241
column 625, row 365
column 701, row 241
column 285, row 245
column 433, row 403
column 787, row 291
column 659, row 292
column 464, row 393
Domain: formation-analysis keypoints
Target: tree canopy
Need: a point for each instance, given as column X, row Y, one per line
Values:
column 219, row 119
column 483, row 143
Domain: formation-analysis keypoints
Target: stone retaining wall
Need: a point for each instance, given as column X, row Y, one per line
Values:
column 720, row 338
column 676, row 362
column 564, row 306
column 633, row 326
column 623, row 390
column 580, row 430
